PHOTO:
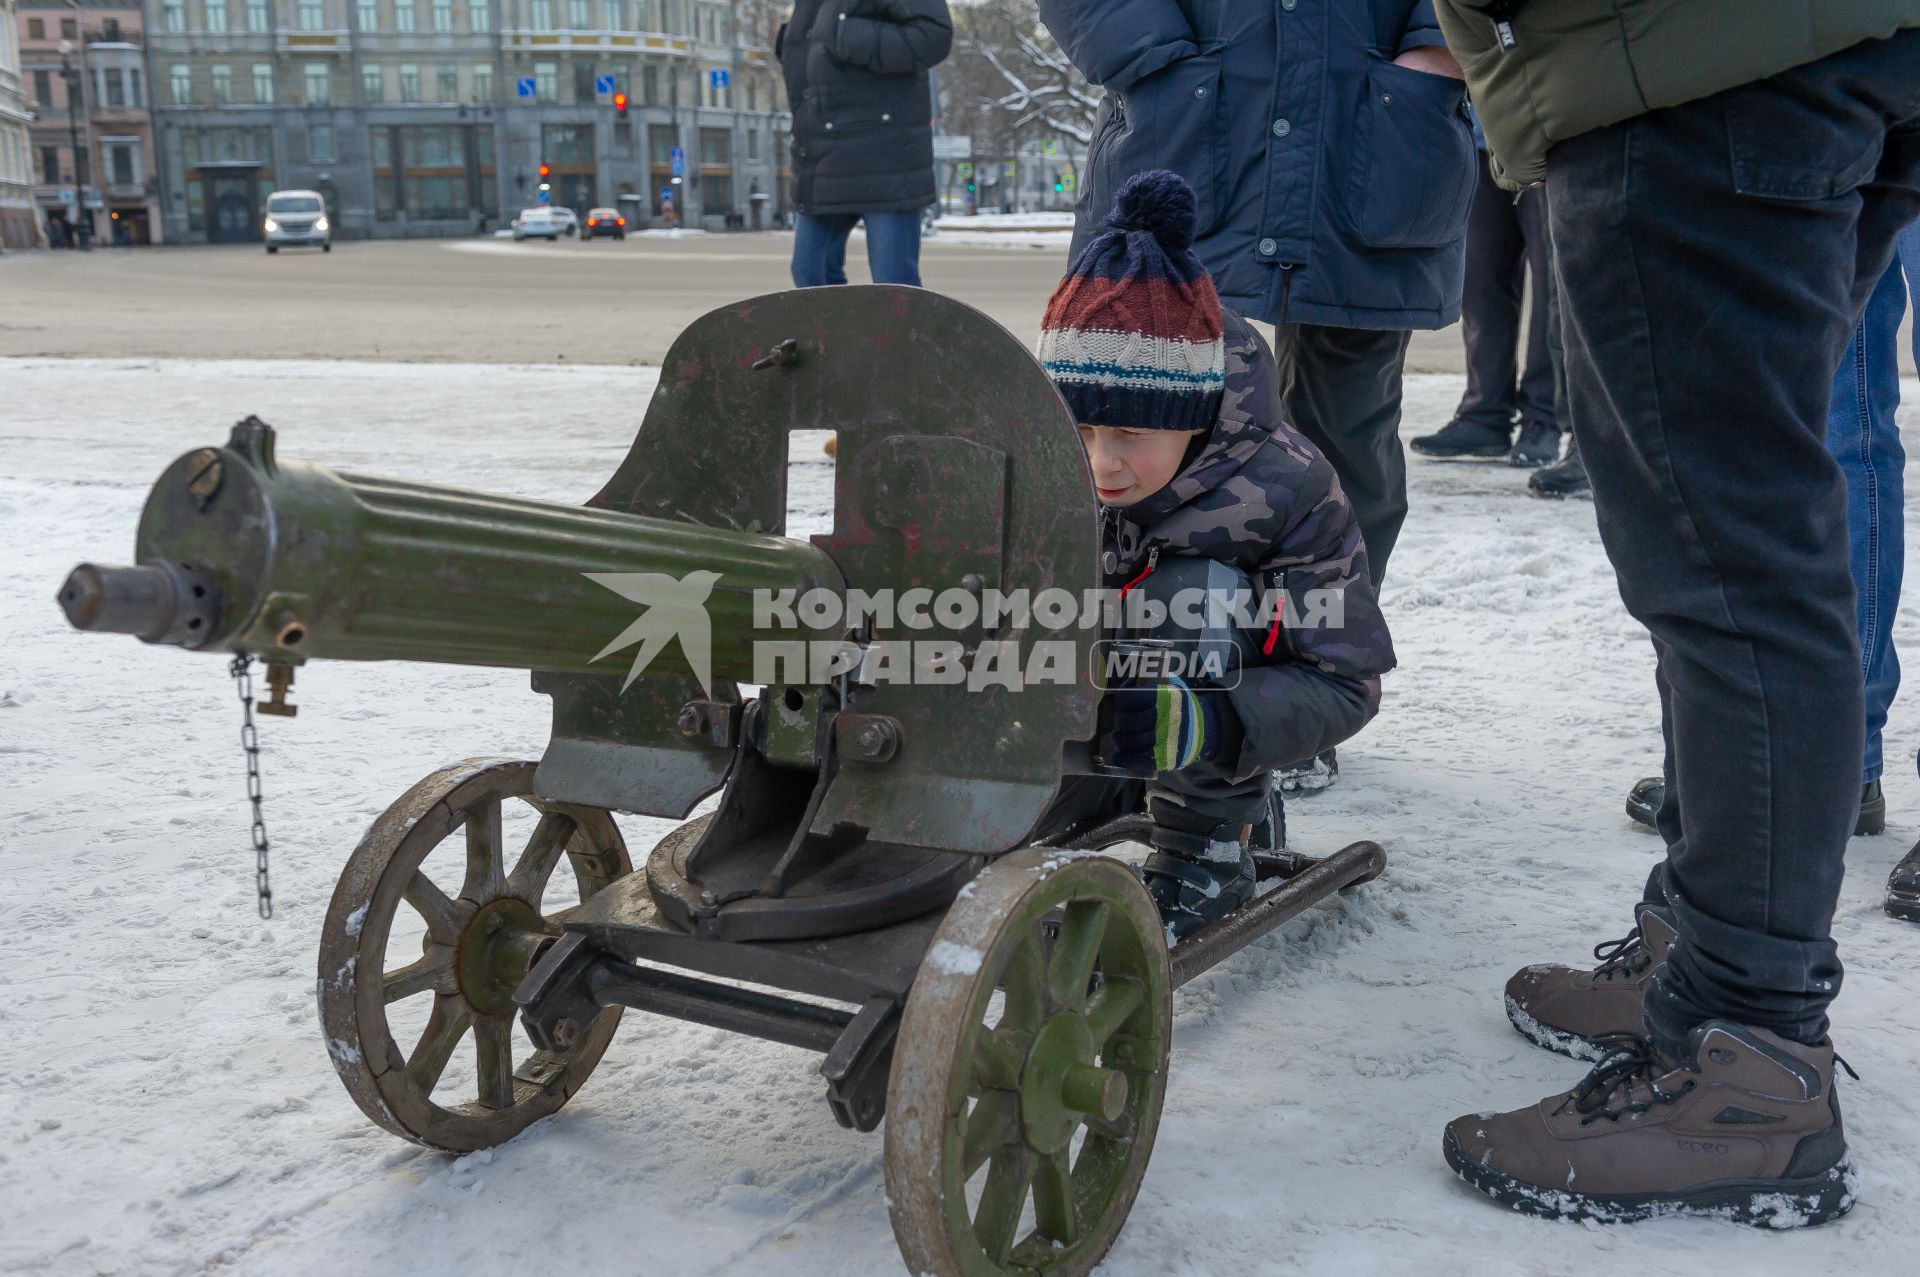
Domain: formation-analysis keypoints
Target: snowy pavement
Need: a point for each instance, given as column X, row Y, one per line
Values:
column 170, row 1108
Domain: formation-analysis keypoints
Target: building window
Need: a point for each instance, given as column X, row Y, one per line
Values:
column 369, row 15
column 578, row 15
column 483, row 82
column 753, row 144
column 174, row 13
column 111, row 28
column 135, row 96
column 115, row 85
column 540, row 14
column 650, row 84
column 546, row 81
column 36, row 30
column 123, row 167
column 320, row 143
column 443, row 15
column 217, row 15
column 319, row 81
column 479, row 17
column 372, row 88
column 616, row 15
column 409, row 81
column 313, row 15
column 583, row 87
column 403, row 18
column 180, row 76
column 50, row 164
column 446, row 84
column 257, row 16
column 263, row 82
column 753, row 93
column 69, row 29
column 43, row 88
column 222, row 84
column 716, row 147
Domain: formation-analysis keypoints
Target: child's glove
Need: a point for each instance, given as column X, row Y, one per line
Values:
column 1165, row 726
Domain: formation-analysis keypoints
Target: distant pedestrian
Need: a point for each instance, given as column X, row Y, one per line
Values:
column 1507, row 242
column 862, row 105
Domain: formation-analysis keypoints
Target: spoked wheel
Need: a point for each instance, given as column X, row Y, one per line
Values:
column 480, row 938
column 1029, row 1071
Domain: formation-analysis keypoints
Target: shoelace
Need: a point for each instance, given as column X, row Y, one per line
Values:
column 1627, row 956
column 1614, row 1088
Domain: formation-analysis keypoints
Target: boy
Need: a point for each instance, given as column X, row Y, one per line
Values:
column 1179, row 408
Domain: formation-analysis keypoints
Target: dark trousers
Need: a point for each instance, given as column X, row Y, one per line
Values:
column 1714, row 259
column 1341, row 389
column 1506, row 241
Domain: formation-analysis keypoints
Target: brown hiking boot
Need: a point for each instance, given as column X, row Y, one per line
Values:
column 1566, row 1009
column 1746, row 1127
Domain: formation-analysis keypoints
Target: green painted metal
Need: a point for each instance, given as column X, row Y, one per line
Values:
column 315, row 563
column 1051, row 1041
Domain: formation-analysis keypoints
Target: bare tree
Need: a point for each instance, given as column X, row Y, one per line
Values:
column 1008, row 84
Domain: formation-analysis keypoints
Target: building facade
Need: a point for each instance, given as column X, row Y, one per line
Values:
column 436, row 117
column 94, row 166
column 19, row 227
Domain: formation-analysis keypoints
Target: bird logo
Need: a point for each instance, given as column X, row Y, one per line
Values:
column 676, row 607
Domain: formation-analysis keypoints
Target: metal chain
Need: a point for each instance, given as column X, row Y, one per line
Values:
column 241, row 669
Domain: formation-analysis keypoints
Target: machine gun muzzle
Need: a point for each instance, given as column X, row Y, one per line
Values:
column 290, row 561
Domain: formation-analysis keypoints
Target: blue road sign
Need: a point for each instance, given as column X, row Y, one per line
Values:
column 603, row 84
column 666, row 195
column 546, row 197
column 524, row 86
column 718, row 79
column 678, row 159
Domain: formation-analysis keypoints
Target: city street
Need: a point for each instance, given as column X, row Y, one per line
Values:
column 468, row 300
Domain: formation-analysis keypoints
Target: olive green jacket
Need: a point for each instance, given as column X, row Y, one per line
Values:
column 1543, row 71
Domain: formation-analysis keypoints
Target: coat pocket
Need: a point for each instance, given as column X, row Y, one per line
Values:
column 1414, row 169
column 1173, row 119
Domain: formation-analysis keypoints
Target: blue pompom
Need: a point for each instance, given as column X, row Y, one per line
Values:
column 1159, row 202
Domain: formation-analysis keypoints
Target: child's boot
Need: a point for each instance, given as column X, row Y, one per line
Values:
column 1194, row 885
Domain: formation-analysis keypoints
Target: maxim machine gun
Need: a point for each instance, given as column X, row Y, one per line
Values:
column 867, row 886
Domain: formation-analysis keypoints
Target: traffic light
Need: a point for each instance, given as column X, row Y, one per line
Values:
column 545, row 172
column 620, row 105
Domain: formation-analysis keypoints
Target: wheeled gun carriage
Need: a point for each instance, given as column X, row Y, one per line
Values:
column 866, row 887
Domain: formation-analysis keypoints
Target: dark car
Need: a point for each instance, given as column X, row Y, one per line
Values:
column 604, row 221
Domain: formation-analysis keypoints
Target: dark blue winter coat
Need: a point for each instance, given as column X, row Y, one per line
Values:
column 1333, row 185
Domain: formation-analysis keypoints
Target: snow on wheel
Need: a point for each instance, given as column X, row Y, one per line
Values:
column 479, row 939
column 1029, row 1070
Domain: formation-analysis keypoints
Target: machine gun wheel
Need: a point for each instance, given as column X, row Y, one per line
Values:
column 1029, row 1071
column 480, row 939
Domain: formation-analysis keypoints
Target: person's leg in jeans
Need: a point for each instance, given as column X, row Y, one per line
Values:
column 820, row 248
column 1341, row 389
column 1863, row 438
column 893, row 247
column 1719, row 506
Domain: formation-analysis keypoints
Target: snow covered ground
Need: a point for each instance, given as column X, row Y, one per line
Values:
column 170, row 1108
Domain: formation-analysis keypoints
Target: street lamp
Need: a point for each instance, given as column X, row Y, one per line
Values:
column 83, row 219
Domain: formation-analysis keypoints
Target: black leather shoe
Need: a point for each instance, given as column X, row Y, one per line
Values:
column 1466, row 441
column 1567, row 479
column 1538, row 445
column 1903, row 887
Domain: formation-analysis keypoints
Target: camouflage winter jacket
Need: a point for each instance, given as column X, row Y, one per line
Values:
column 1260, row 498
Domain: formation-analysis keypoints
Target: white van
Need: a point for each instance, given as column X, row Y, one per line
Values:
column 297, row 218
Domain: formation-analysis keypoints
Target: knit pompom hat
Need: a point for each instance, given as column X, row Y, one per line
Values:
column 1132, row 334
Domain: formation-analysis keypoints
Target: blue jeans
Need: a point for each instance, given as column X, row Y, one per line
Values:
column 820, row 248
column 1863, row 438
